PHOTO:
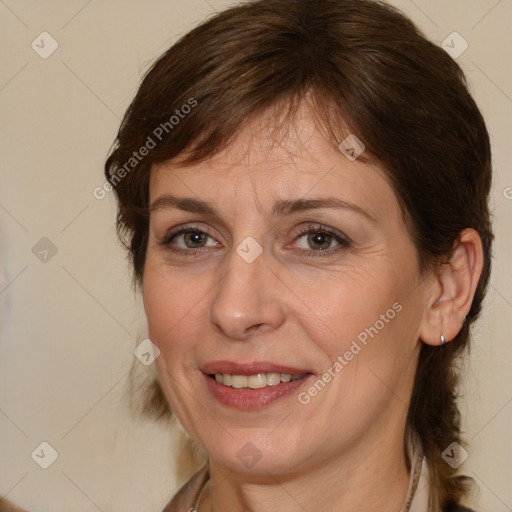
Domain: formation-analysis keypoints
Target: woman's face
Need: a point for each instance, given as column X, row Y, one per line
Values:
column 283, row 290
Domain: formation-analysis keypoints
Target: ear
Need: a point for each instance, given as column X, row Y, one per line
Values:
column 454, row 287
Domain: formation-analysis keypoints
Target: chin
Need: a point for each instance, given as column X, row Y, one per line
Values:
column 257, row 452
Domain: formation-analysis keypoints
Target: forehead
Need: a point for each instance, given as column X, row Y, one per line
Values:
column 273, row 159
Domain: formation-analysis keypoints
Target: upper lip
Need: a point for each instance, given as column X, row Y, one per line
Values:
column 234, row 368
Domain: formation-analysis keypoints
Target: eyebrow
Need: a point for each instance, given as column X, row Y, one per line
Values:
column 280, row 208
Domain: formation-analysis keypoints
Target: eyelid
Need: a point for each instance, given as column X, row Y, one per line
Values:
column 313, row 227
column 185, row 228
column 318, row 227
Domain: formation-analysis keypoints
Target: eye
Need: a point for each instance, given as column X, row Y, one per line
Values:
column 321, row 239
column 188, row 240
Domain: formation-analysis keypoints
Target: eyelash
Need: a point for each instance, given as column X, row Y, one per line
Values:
column 343, row 241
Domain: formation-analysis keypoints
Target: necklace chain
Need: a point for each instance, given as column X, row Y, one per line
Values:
column 415, row 474
column 196, row 506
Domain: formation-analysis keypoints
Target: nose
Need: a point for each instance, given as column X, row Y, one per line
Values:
column 248, row 299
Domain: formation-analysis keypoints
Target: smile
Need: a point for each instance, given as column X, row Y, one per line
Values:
column 257, row 381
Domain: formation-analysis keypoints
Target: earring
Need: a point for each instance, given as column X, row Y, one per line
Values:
column 443, row 339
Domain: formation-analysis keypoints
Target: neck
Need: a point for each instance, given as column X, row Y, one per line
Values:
column 369, row 477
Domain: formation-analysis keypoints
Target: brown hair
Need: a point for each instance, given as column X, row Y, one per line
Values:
column 368, row 70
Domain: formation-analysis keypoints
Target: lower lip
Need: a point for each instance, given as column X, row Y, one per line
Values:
column 249, row 399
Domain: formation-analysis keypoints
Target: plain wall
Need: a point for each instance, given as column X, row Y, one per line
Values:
column 69, row 324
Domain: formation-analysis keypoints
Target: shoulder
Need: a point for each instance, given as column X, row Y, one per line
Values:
column 7, row 506
column 186, row 497
column 454, row 507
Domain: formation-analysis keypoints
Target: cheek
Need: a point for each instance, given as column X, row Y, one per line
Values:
column 345, row 308
column 369, row 323
column 175, row 305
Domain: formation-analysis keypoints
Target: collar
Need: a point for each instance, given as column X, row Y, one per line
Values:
column 417, row 499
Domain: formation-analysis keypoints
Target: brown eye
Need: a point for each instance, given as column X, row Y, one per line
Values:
column 194, row 239
column 317, row 240
column 320, row 240
column 188, row 239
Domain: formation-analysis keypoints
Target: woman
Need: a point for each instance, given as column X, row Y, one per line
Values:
column 303, row 188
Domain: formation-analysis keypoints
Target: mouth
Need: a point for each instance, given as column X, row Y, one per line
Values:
column 256, row 381
column 252, row 386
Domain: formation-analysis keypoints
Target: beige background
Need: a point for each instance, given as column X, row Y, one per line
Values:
column 69, row 325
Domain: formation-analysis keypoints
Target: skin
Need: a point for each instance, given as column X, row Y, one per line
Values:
column 344, row 449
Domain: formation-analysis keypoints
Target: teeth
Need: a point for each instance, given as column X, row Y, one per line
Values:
column 273, row 379
column 238, row 381
column 258, row 381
